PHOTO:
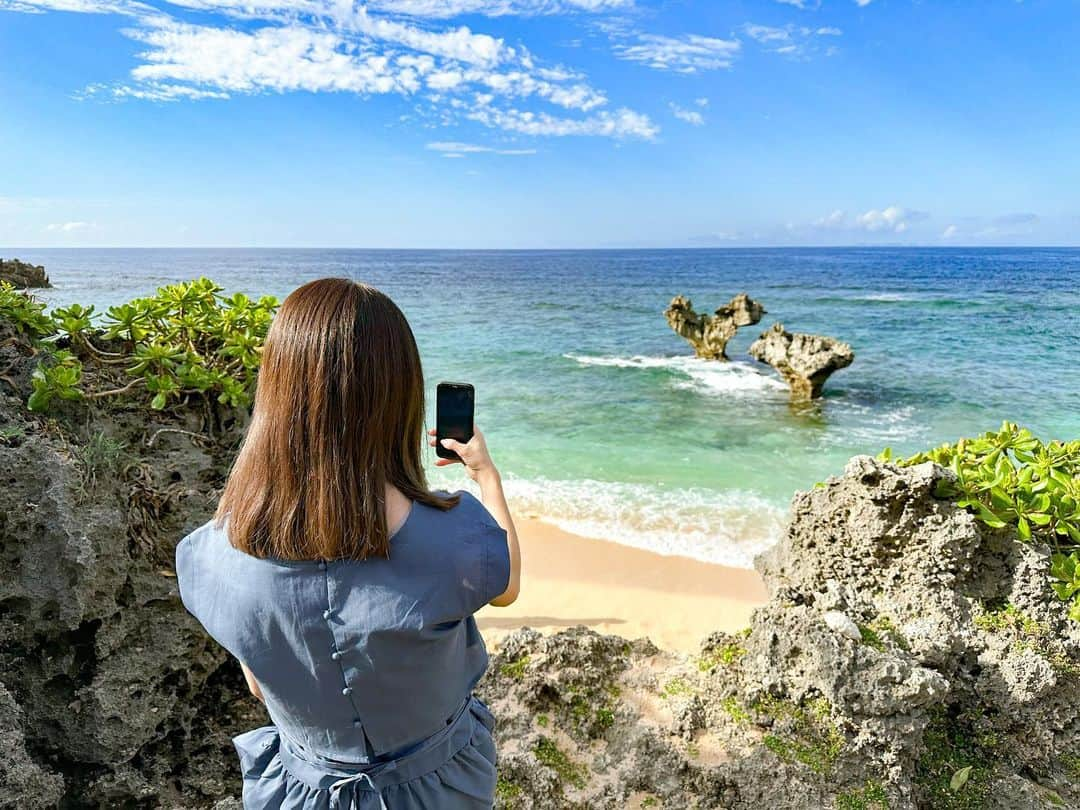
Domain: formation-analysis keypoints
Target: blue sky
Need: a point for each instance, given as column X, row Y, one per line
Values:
column 539, row 123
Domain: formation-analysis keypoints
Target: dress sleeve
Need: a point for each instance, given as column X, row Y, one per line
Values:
column 185, row 573
column 487, row 564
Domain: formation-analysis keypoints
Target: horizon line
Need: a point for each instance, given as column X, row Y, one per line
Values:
column 862, row 246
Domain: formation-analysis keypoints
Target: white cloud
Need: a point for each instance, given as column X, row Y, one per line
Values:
column 796, row 41
column 894, row 219
column 863, row 3
column 443, row 9
column 68, row 227
column 686, row 54
column 271, row 58
column 622, row 123
column 458, row 149
column 689, row 116
column 767, row 33
column 803, row 4
column 126, row 7
column 837, row 219
column 949, row 232
column 702, row 102
column 337, row 46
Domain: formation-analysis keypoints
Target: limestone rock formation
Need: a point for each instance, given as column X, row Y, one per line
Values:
column 709, row 334
column 961, row 657
column 110, row 694
column 23, row 274
column 804, row 361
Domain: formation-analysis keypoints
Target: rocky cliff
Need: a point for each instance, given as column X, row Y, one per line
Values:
column 110, row 694
column 908, row 657
column 23, row 274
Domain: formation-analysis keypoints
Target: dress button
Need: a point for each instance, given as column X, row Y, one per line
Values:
column 326, row 614
column 356, row 723
column 335, row 655
column 322, row 565
column 346, row 691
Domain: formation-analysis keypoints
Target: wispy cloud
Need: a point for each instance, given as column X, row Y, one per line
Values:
column 622, row 123
column 458, row 149
column 689, row 53
column 442, row 9
column 796, row 41
column 689, row 116
column 385, row 47
column 803, row 4
column 68, row 227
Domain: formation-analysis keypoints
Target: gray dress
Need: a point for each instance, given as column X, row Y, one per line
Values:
column 367, row 668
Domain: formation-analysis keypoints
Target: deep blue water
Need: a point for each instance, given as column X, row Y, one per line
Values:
column 603, row 421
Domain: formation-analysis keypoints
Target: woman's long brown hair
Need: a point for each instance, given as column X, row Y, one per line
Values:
column 339, row 413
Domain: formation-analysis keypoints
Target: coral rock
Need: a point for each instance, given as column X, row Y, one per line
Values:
column 804, row 361
column 709, row 334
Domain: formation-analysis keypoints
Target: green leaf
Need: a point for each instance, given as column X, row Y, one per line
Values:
column 1023, row 529
column 960, row 778
column 1063, row 567
column 38, row 401
column 1065, row 590
column 158, row 402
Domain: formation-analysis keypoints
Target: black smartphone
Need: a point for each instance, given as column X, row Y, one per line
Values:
column 454, row 403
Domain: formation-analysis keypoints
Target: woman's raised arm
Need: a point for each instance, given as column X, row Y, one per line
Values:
column 481, row 469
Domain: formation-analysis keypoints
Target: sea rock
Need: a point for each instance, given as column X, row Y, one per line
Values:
column 804, row 361
column 23, row 274
column 709, row 334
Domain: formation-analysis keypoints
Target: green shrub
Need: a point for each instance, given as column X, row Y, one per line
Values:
column 187, row 340
column 24, row 312
column 1012, row 479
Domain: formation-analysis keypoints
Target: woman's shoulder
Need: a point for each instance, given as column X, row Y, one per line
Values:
column 206, row 540
column 468, row 512
column 194, row 553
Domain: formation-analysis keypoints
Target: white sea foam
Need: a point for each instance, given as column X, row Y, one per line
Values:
column 694, row 373
column 729, row 528
column 885, row 296
column 872, row 427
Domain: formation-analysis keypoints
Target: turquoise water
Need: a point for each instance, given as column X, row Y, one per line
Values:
column 604, row 422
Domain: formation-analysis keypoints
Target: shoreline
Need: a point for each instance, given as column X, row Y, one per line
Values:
column 570, row 580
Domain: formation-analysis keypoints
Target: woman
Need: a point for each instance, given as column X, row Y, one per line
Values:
column 342, row 584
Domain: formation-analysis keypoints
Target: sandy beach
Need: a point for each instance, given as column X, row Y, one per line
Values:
column 569, row 580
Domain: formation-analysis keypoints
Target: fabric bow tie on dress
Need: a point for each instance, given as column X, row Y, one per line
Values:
column 347, row 783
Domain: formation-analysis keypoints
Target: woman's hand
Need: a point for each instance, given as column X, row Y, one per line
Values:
column 474, row 455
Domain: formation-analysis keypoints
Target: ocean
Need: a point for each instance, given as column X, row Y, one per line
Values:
column 605, row 424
